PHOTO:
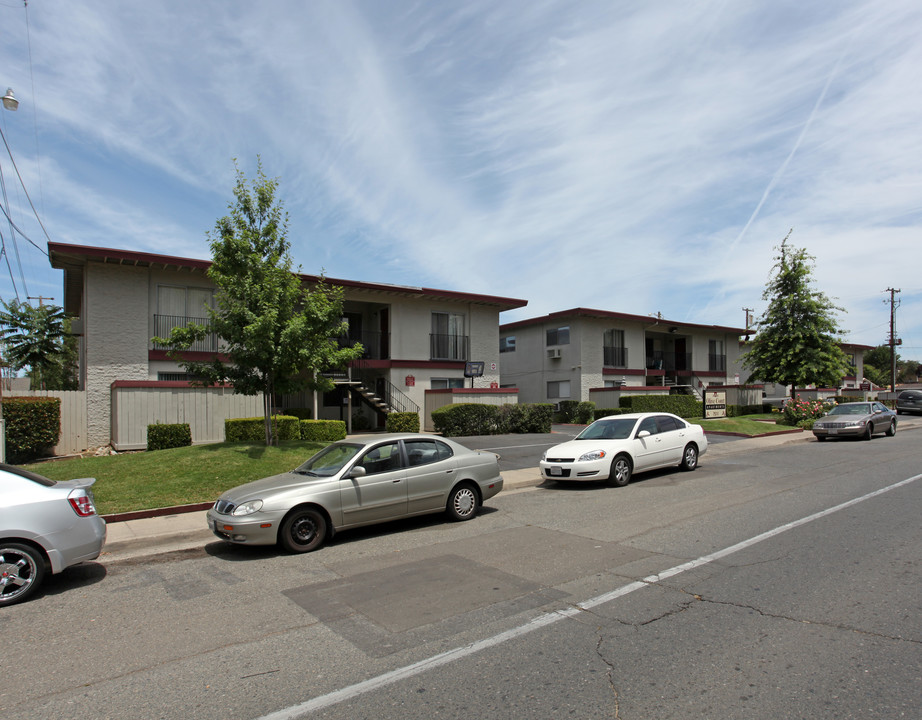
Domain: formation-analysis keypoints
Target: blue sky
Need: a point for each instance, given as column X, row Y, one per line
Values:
column 637, row 157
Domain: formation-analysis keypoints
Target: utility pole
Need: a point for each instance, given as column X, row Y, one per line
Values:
column 40, row 298
column 747, row 311
column 893, row 340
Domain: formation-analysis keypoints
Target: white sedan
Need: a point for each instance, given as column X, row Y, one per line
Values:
column 614, row 448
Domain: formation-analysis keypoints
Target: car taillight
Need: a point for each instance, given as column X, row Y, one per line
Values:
column 82, row 504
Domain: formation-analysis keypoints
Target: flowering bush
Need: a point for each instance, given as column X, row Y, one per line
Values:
column 798, row 411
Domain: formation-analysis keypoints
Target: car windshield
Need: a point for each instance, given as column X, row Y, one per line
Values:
column 856, row 409
column 330, row 460
column 619, row 429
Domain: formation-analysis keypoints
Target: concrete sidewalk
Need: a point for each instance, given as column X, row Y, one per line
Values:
column 175, row 531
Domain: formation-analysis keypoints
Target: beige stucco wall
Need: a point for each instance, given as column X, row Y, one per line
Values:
column 116, row 327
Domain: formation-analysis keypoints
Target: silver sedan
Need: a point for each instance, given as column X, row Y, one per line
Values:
column 44, row 525
column 354, row 482
column 856, row 419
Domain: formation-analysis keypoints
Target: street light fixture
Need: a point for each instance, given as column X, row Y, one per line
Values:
column 9, row 100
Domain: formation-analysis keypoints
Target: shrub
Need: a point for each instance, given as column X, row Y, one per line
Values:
column 161, row 436
column 606, row 412
column 323, row 430
column 360, row 422
column 525, row 418
column 399, row 422
column 583, row 414
column 33, row 426
column 567, row 411
column 466, row 419
column 253, row 430
column 685, row 406
column 798, row 410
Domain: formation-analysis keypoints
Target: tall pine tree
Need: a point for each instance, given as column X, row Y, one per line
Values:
column 797, row 340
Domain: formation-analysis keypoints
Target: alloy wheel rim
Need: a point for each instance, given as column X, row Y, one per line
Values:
column 17, row 573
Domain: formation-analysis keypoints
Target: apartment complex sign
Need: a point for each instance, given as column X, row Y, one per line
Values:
column 715, row 404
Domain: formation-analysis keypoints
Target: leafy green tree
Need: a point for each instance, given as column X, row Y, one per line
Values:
column 797, row 340
column 278, row 336
column 38, row 338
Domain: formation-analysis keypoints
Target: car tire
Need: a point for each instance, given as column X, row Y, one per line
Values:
column 868, row 432
column 891, row 431
column 689, row 457
column 22, row 569
column 303, row 530
column 462, row 502
column 821, row 438
column 621, row 470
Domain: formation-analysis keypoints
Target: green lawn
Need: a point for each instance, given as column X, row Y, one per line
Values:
column 745, row 425
column 164, row 478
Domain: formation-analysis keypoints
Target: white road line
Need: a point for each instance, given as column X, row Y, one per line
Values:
column 546, row 619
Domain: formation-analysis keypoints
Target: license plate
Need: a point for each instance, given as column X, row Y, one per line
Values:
column 554, row 471
column 832, row 431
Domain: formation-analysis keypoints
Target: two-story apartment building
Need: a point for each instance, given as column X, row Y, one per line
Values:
column 415, row 338
column 563, row 355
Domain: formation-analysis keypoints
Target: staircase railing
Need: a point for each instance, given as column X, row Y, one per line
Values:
column 393, row 396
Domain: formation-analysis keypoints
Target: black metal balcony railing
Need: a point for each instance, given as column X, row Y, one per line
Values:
column 375, row 344
column 448, row 347
column 614, row 356
column 164, row 324
column 670, row 362
column 717, row 363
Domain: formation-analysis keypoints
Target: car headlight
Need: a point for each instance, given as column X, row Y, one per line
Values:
column 248, row 508
column 544, row 456
column 855, row 423
column 591, row 455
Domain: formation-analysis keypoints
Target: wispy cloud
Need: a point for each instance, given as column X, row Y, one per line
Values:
column 641, row 157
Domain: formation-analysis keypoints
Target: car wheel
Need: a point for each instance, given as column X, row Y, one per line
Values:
column 303, row 530
column 891, row 431
column 689, row 457
column 22, row 569
column 621, row 469
column 868, row 432
column 462, row 502
column 821, row 438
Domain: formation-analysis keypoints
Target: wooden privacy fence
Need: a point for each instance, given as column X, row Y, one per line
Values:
column 137, row 404
column 73, row 417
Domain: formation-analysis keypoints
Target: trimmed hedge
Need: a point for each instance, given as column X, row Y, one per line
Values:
column 161, row 436
column 33, row 427
column 583, row 415
column 253, row 430
column 567, row 412
column 466, row 419
column 685, row 406
column 322, row 430
column 606, row 412
column 402, row 422
column 526, row 418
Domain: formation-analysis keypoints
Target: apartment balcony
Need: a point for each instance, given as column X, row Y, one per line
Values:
column 670, row 362
column 164, row 324
column 375, row 344
column 614, row 357
column 449, row 347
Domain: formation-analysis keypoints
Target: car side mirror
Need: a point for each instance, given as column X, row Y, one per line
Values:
column 357, row 472
column 643, row 434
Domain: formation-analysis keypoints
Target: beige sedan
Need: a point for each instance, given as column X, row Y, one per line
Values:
column 355, row 482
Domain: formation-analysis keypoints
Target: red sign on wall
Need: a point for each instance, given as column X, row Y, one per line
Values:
column 411, row 381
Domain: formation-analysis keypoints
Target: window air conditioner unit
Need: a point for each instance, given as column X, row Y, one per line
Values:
column 553, row 353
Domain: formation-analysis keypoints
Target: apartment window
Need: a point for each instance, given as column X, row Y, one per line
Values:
column 507, row 344
column 448, row 341
column 559, row 336
column 717, row 357
column 613, row 350
column 446, row 383
column 558, row 389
